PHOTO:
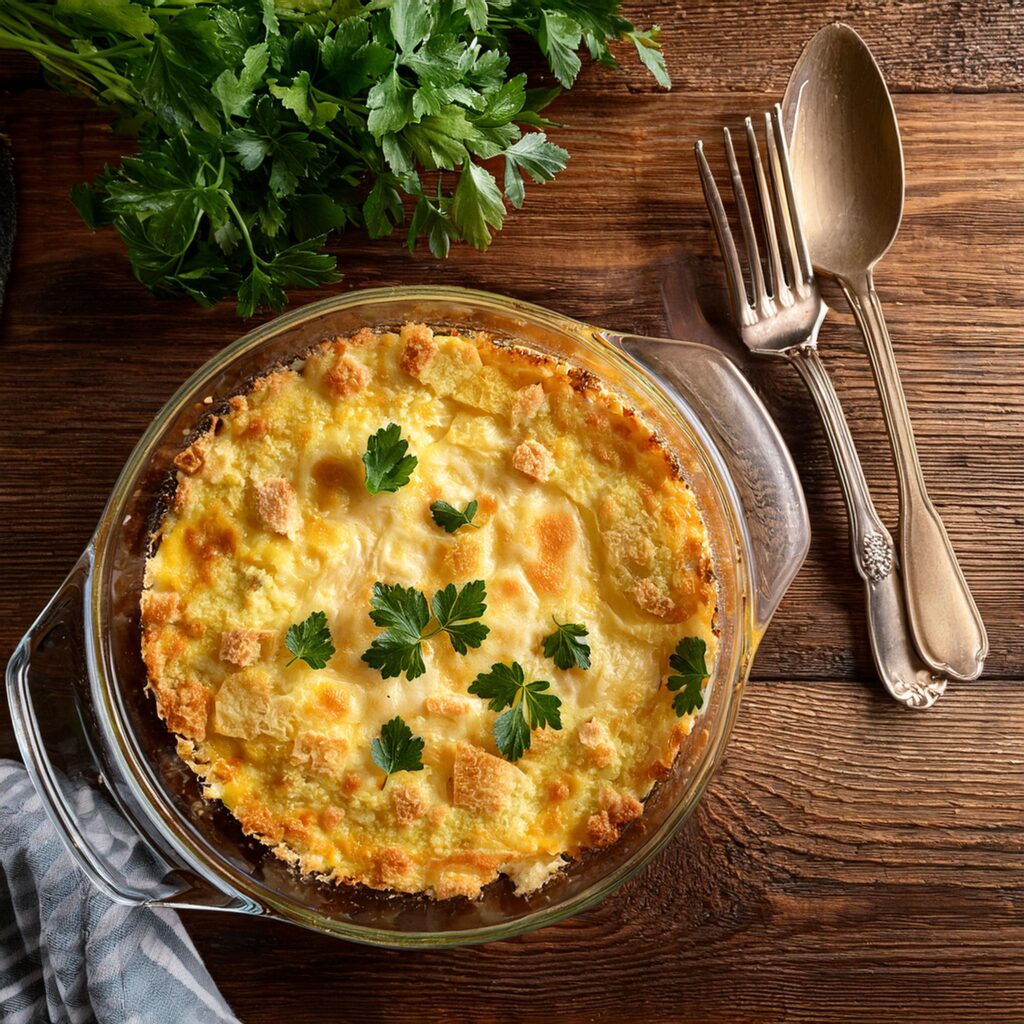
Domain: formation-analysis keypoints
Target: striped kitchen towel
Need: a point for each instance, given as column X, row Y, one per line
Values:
column 68, row 955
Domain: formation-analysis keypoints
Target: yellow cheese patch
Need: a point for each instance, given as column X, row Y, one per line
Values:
column 582, row 517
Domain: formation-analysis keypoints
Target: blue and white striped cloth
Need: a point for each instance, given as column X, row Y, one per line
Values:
column 68, row 955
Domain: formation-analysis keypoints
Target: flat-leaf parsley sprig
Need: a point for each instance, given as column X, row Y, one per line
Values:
column 388, row 464
column 566, row 646
column 310, row 641
column 530, row 706
column 690, row 672
column 265, row 125
column 397, row 749
column 449, row 518
column 404, row 614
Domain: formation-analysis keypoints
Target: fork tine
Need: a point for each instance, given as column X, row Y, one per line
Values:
column 733, row 272
column 776, row 278
column 782, row 152
column 747, row 224
column 788, row 245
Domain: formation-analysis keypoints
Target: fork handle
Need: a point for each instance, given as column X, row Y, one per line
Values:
column 947, row 627
column 901, row 669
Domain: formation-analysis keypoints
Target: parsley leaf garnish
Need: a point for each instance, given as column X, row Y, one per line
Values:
column 262, row 126
column 565, row 648
column 404, row 613
column 388, row 467
column 692, row 670
column 449, row 518
column 396, row 750
column 310, row 641
column 530, row 707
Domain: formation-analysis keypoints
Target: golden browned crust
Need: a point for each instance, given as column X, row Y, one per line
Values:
column 186, row 709
column 481, row 782
column 319, row 753
column 420, row 348
column 277, row 504
column 533, row 459
column 242, row 647
column 347, row 377
column 526, row 403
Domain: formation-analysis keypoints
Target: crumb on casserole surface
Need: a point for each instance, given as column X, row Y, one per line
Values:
column 583, row 516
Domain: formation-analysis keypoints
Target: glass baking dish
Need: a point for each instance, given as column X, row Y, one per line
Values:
column 107, row 769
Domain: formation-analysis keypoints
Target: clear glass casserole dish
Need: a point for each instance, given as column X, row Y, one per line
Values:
column 107, row 768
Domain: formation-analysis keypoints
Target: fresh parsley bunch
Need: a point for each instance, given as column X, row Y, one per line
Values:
column 265, row 125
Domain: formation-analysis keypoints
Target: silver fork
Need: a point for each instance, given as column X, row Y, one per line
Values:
column 783, row 321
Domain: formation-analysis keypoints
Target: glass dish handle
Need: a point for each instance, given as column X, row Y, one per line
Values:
column 759, row 462
column 52, row 711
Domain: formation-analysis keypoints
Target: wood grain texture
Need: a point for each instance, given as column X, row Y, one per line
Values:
column 852, row 861
column 824, row 877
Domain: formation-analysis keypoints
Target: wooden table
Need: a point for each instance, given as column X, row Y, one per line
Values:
column 852, row 860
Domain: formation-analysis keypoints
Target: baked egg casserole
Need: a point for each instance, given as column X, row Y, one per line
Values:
column 543, row 604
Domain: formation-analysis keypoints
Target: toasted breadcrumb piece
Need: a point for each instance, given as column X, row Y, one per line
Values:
column 192, row 458
column 481, row 781
column 347, row 377
column 243, row 707
column 160, row 608
column 594, row 736
column 277, row 504
column 408, row 803
column 242, row 647
column 652, row 598
column 323, row 754
column 391, row 865
column 621, row 808
column 558, row 790
column 533, row 459
column 526, row 403
column 186, row 708
column 364, row 336
column 420, row 348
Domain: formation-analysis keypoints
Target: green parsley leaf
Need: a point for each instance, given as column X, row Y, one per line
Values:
column 310, row 641
column 649, row 50
column 404, row 614
column 449, row 518
column 530, row 706
column 397, row 750
column 236, row 94
column 565, row 648
column 691, row 671
column 388, row 466
column 534, row 155
column 454, row 609
column 559, row 39
column 477, row 204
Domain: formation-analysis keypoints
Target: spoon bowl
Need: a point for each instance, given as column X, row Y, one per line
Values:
column 845, row 151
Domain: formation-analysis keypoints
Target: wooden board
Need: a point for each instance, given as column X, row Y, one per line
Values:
column 852, row 861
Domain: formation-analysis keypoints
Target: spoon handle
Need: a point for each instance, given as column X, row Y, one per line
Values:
column 943, row 616
column 901, row 669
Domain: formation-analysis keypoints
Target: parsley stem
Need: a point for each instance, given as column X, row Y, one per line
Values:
column 241, row 226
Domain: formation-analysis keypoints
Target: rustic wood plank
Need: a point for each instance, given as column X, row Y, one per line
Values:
column 850, row 862
column 92, row 355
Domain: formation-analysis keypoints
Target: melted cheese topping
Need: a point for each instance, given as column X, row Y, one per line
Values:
column 583, row 516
